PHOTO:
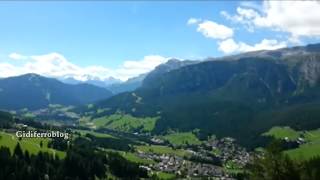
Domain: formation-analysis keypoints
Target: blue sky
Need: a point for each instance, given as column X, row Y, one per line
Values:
column 108, row 34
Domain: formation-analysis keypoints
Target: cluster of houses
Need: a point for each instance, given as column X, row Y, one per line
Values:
column 299, row 140
column 181, row 167
column 288, row 143
column 230, row 151
column 186, row 167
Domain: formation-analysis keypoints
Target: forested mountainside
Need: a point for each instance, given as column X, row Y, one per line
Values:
column 239, row 96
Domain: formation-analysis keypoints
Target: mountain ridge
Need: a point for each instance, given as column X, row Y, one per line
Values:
column 33, row 91
column 224, row 97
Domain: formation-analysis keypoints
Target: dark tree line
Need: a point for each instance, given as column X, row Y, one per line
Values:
column 59, row 144
column 81, row 162
column 122, row 144
column 6, row 120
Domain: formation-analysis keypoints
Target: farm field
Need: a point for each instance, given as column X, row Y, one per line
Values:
column 125, row 123
column 97, row 134
column 182, row 138
column 162, row 150
column 305, row 151
column 134, row 158
column 283, row 132
column 165, row 176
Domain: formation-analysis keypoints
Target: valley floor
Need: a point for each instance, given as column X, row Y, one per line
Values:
column 170, row 156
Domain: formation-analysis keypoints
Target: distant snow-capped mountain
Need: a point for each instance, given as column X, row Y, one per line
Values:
column 91, row 80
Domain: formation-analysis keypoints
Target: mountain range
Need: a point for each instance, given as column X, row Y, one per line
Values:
column 239, row 96
column 129, row 85
column 114, row 85
column 33, row 91
column 91, row 80
column 117, row 86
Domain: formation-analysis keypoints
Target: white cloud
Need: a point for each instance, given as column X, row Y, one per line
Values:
column 16, row 56
column 214, row 30
column 251, row 4
column 211, row 29
column 243, row 16
column 224, row 34
column 267, row 44
column 193, row 21
column 298, row 18
column 7, row 70
column 56, row 65
column 134, row 68
column 230, row 46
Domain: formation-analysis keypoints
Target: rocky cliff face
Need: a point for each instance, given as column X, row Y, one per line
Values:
column 170, row 65
column 309, row 68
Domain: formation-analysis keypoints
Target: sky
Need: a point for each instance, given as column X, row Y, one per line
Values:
column 123, row 39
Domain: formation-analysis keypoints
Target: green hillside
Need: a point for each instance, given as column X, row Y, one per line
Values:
column 30, row 144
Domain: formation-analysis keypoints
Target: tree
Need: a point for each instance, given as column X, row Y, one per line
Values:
column 311, row 169
column 27, row 156
column 274, row 165
column 4, row 155
column 18, row 151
